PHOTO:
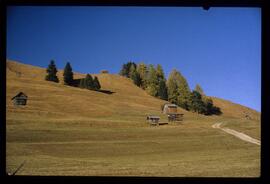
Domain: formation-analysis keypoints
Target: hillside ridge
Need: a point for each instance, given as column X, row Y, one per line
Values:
column 28, row 78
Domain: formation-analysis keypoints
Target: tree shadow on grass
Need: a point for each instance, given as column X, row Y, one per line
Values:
column 105, row 91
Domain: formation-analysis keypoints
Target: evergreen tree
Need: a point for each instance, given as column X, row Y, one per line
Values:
column 160, row 73
column 82, row 83
column 197, row 105
column 68, row 74
column 96, row 83
column 134, row 75
column 178, row 90
column 152, row 75
column 88, row 82
column 162, row 90
column 52, row 70
column 184, row 98
column 125, row 71
column 199, row 89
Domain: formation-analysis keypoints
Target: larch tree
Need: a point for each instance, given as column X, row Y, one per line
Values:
column 152, row 81
column 199, row 89
column 142, row 71
column 134, row 75
column 178, row 90
column 160, row 72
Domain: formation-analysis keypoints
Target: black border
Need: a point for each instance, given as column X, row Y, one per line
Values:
column 3, row 89
column 265, row 94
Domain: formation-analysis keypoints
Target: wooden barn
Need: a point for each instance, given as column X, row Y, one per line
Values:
column 20, row 99
column 169, row 108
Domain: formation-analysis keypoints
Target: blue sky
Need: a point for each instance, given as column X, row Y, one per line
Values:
column 220, row 49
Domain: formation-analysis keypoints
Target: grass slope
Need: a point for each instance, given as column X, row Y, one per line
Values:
column 70, row 131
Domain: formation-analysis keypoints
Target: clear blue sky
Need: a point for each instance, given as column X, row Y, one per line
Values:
column 219, row 49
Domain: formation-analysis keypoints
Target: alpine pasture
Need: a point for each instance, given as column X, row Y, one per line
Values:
column 65, row 130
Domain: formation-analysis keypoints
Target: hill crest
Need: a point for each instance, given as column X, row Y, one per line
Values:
column 28, row 78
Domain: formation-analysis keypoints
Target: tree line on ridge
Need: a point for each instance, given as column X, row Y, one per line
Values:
column 175, row 89
column 88, row 82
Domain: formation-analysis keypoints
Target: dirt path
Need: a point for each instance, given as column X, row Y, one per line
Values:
column 240, row 135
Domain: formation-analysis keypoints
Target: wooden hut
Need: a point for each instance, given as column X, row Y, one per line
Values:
column 171, row 111
column 20, row 99
column 169, row 108
column 153, row 120
column 104, row 71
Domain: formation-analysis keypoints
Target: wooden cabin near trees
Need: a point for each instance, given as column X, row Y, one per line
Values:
column 171, row 111
column 20, row 99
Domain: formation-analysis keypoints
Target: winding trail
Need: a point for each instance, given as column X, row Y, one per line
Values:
column 239, row 135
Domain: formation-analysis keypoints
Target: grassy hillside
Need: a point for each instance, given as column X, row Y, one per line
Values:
column 57, row 100
column 65, row 130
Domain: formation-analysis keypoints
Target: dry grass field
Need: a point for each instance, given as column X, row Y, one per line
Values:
column 65, row 130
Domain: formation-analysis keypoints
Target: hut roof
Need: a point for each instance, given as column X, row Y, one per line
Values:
column 154, row 117
column 170, row 105
column 20, row 94
column 104, row 71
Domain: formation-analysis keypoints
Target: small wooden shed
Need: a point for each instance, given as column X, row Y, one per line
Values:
column 169, row 108
column 104, row 71
column 20, row 99
column 153, row 120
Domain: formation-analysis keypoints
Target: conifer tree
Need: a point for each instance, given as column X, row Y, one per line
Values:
column 159, row 72
column 178, row 90
column 142, row 71
column 172, row 90
column 197, row 105
column 162, row 90
column 96, row 83
column 82, row 83
column 152, row 81
column 125, row 71
column 52, row 70
column 88, row 82
column 68, row 74
column 134, row 75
